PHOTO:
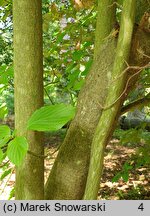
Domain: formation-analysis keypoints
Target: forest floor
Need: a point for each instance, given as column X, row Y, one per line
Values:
column 116, row 156
column 137, row 187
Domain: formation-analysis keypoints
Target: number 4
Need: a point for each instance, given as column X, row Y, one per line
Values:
column 141, row 207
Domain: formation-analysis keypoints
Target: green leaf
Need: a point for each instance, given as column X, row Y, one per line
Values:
column 2, row 69
column 10, row 71
column 127, row 167
column 4, row 141
column 87, row 67
column 78, row 84
column 4, row 79
column 70, row 67
column 125, row 176
column 3, row 3
column 131, row 136
column 77, row 55
column 17, row 150
column 1, row 155
column 11, row 194
column 3, row 111
column 51, row 118
column 5, row 74
column 116, row 177
column 4, row 131
column 5, row 173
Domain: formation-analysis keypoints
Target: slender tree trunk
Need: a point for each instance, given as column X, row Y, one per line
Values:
column 106, row 19
column 27, row 18
column 68, row 176
column 140, row 41
column 108, row 117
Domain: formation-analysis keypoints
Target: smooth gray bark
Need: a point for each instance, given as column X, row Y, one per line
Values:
column 28, row 65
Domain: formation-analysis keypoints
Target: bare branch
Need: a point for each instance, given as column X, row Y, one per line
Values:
column 127, row 83
column 116, row 4
column 48, row 96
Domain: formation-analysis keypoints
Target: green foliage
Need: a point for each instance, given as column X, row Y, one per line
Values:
column 145, row 79
column 68, row 49
column 135, row 193
column 11, row 194
column 4, row 131
column 6, row 74
column 3, row 111
column 68, row 40
column 4, row 141
column 51, row 118
column 68, row 52
column 124, row 173
column 6, row 90
column 142, row 156
column 6, row 53
column 5, row 136
column 6, row 50
column 5, row 173
column 6, row 10
column 1, row 155
column 132, row 136
column 17, row 149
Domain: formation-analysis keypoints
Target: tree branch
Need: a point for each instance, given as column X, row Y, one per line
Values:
column 143, row 101
column 139, row 69
column 48, row 96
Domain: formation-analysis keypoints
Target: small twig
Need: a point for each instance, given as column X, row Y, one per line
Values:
column 113, row 34
column 131, row 68
column 117, row 4
column 43, row 156
column 126, row 86
column 125, row 89
column 51, row 83
column 35, row 155
column 127, row 63
column 139, row 51
column 49, row 96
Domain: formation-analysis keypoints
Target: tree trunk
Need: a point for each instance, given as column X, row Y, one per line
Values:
column 112, row 108
column 108, row 117
column 28, row 58
column 67, row 179
column 106, row 19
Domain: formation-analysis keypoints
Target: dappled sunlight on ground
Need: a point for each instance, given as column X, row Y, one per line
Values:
column 138, row 184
